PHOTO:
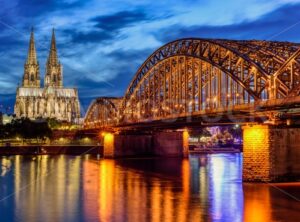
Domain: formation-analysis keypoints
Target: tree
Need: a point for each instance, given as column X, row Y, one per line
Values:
column 25, row 128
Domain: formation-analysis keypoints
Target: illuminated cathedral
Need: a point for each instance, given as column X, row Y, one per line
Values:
column 52, row 100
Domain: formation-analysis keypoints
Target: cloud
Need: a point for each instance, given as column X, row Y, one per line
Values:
column 120, row 20
column 107, row 28
column 282, row 24
column 78, row 37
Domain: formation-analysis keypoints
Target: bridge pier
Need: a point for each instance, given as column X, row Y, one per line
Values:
column 270, row 153
column 172, row 144
column 116, row 145
column 164, row 143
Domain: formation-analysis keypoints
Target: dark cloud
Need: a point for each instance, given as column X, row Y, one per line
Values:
column 107, row 27
column 91, row 36
column 282, row 24
column 120, row 20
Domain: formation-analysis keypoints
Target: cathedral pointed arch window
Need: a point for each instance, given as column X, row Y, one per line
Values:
column 32, row 77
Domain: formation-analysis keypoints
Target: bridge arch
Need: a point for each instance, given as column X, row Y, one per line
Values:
column 103, row 111
column 195, row 76
column 189, row 70
column 182, row 85
column 215, row 52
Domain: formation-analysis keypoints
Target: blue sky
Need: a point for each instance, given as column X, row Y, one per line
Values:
column 102, row 43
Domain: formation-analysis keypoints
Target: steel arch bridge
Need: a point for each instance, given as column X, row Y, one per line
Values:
column 195, row 76
column 103, row 112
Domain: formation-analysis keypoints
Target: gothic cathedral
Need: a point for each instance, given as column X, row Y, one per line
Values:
column 52, row 101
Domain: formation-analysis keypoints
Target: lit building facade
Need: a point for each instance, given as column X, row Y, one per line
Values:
column 52, row 100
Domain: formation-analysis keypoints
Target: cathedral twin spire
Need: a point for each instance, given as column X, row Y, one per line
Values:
column 31, row 57
column 53, row 59
column 31, row 76
column 53, row 76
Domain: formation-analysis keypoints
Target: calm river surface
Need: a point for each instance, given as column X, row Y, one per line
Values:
column 83, row 188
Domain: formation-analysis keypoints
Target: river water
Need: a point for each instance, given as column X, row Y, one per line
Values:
column 84, row 188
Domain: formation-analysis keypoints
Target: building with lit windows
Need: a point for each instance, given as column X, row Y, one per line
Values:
column 51, row 101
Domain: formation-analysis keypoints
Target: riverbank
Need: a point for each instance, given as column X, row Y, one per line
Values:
column 51, row 149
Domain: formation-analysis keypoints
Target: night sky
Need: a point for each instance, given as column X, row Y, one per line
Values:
column 101, row 43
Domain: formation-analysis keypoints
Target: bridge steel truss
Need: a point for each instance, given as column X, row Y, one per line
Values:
column 102, row 112
column 193, row 76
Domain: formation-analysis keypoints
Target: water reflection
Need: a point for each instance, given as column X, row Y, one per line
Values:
column 203, row 188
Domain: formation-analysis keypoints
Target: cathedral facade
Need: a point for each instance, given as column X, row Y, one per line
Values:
column 51, row 101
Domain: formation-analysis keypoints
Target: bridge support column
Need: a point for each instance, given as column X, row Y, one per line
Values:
column 270, row 153
column 109, row 145
column 126, row 145
column 171, row 144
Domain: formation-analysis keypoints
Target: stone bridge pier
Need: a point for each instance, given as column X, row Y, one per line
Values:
column 271, row 153
column 162, row 143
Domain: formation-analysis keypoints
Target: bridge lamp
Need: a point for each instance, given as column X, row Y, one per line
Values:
column 86, row 139
column 108, row 140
